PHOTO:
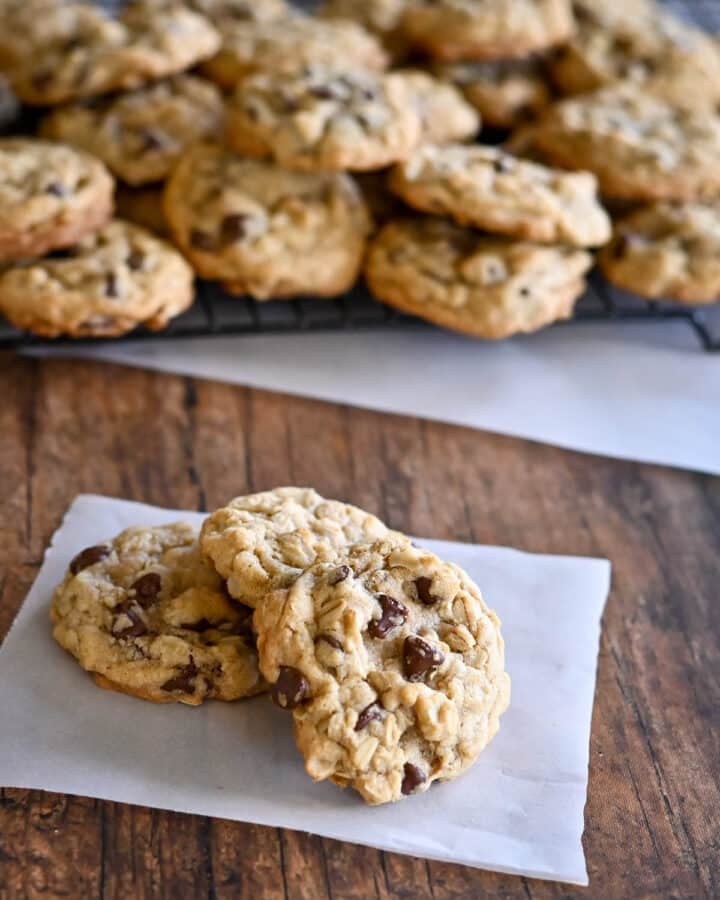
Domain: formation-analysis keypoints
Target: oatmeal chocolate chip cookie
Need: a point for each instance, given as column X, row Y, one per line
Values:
column 325, row 119
column 265, row 231
column 143, row 206
column 667, row 250
column 145, row 614
column 24, row 21
column 287, row 47
column 640, row 146
column 492, row 190
column 265, row 541
column 102, row 54
column 504, row 92
column 141, row 135
column 50, row 197
column 105, row 285
column 474, row 283
column 392, row 665
column 445, row 115
column 486, row 29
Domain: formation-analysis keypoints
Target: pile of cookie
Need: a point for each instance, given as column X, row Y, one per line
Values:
column 388, row 657
column 305, row 151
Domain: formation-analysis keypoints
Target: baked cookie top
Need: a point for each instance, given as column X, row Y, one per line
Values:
column 471, row 282
column 490, row 189
column 147, row 615
column 380, row 16
column 667, row 250
column 504, row 92
column 264, row 541
column 50, row 196
column 640, row 146
column 109, row 282
column 142, row 134
column 490, row 29
column 288, row 46
column 99, row 54
column 392, row 665
column 325, row 119
column 444, row 113
column 265, row 230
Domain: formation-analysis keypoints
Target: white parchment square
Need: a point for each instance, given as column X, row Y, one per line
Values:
column 518, row 810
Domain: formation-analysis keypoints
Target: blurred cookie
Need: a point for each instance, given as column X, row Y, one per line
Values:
column 142, row 206
column 382, row 17
column 474, row 283
column 106, row 285
column 141, row 135
column 445, row 115
column 263, row 230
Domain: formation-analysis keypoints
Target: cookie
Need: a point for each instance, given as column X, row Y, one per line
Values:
column 263, row 230
column 105, row 285
column 224, row 13
column 667, row 250
column 143, row 206
column 325, row 119
column 492, row 190
column 470, row 282
column 382, row 17
column 145, row 614
column 141, row 135
column 505, row 92
column 287, row 47
column 50, row 197
column 265, row 541
column 100, row 54
column 445, row 115
column 494, row 29
column 392, row 665
column 25, row 21
column 640, row 146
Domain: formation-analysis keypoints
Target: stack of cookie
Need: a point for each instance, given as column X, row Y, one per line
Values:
column 387, row 657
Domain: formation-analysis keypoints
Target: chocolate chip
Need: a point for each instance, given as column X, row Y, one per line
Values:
column 152, row 139
column 394, row 613
column 57, row 189
column 370, row 714
column 524, row 291
column 146, row 588
column 135, row 260
column 323, row 92
column 340, row 574
column 291, row 688
column 184, row 681
column 137, row 628
column 503, row 164
column 422, row 585
column 201, row 625
column 329, row 639
column 419, row 658
column 89, row 557
column 234, row 228
column 202, row 240
column 413, row 777
column 112, row 288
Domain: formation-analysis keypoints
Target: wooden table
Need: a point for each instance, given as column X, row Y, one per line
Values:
column 652, row 820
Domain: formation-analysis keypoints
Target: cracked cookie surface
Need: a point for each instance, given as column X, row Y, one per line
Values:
column 141, row 135
column 667, row 250
column 50, row 197
column 492, row 190
column 474, row 283
column 264, row 541
column 106, row 284
column 392, row 665
column 263, row 230
column 146, row 615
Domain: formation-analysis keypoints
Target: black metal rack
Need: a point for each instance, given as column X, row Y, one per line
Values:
column 217, row 313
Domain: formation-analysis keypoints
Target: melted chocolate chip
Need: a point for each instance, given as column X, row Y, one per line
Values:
column 57, row 189
column 146, row 588
column 419, row 658
column 137, row 628
column 503, row 164
column 291, row 688
column 184, row 681
column 152, row 139
column 234, row 228
column 413, row 777
column 422, row 585
column 371, row 713
column 89, row 557
column 112, row 288
column 330, row 639
column 202, row 240
column 340, row 574
column 394, row 613
column 135, row 260
column 323, row 92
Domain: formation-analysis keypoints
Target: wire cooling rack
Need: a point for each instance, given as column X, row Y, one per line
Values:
column 217, row 313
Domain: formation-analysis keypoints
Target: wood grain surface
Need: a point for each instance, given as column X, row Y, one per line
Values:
column 652, row 821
